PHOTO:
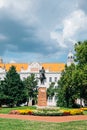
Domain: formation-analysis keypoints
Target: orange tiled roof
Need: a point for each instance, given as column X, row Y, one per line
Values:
column 52, row 67
column 17, row 65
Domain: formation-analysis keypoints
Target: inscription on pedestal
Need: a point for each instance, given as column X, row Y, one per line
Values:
column 42, row 97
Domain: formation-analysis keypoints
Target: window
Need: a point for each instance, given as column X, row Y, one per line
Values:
column 45, row 80
column 23, row 78
column 55, row 79
column 50, row 99
column 50, row 79
column 56, row 98
column 56, row 86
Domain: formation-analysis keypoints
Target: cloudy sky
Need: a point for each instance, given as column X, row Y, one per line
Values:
column 41, row 30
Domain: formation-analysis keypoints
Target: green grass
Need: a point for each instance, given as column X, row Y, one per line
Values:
column 13, row 124
column 7, row 110
column 85, row 112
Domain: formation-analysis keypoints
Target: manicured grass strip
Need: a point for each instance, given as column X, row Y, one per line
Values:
column 13, row 124
column 85, row 112
column 7, row 110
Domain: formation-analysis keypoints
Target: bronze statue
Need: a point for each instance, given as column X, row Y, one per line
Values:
column 42, row 75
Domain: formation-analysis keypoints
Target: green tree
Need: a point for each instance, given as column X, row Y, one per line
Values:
column 61, row 91
column 81, row 59
column 31, row 85
column 3, row 97
column 51, row 90
column 73, row 81
column 81, row 53
column 85, row 81
column 13, row 88
column 66, row 91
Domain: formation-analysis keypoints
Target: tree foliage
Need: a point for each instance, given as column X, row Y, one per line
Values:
column 51, row 90
column 81, row 53
column 31, row 85
column 13, row 88
column 66, row 91
column 81, row 59
column 3, row 97
column 73, row 81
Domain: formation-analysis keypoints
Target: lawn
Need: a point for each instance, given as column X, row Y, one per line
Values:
column 6, row 110
column 14, row 124
column 85, row 112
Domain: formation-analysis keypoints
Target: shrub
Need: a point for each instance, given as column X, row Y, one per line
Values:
column 15, row 112
column 22, row 112
column 47, row 113
column 66, row 113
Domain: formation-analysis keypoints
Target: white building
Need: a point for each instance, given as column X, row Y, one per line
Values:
column 53, row 72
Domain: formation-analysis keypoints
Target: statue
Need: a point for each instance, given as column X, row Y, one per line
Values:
column 42, row 75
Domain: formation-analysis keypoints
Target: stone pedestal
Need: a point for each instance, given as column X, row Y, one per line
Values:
column 42, row 97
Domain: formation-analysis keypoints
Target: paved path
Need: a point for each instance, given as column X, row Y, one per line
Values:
column 45, row 118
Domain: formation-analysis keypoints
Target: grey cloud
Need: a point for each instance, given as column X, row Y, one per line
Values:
column 82, row 4
column 17, row 33
column 30, row 32
column 51, row 13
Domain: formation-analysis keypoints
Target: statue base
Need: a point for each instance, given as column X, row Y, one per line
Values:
column 42, row 96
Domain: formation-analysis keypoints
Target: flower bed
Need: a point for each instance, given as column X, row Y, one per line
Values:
column 76, row 112
column 73, row 112
column 22, row 112
column 14, row 112
column 84, row 108
column 26, row 112
column 48, row 112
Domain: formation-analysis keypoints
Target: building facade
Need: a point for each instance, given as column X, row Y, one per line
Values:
column 52, row 72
